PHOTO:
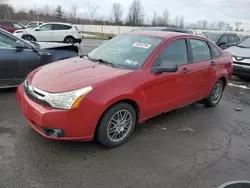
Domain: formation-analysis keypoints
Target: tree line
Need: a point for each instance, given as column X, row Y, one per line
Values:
column 134, row 17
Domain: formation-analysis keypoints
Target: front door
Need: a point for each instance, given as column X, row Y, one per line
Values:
column 44, row 33
column 167, row 91
column 15, row 64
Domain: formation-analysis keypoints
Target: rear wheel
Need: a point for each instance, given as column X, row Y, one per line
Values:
column 29, row 38
column 70, row 40
column 214, row 98
column 116, row 125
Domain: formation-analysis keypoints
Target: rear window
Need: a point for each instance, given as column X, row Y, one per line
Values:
column 61, row 27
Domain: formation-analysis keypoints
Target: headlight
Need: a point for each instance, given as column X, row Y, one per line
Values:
column 67, row 100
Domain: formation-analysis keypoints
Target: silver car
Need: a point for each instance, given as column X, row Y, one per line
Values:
column 241, row 59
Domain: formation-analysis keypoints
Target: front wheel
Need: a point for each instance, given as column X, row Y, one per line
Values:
column 214, row 97
column 116, row 125
column 70, row 40
column 29, row 38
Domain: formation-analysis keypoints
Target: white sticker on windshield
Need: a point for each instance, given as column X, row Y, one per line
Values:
column 128, row 61
column 135, row 63
column 141, row 45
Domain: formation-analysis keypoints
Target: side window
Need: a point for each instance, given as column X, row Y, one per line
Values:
column 223, row 40
column 231, row 39
column 6, row 41
column 175, row 52
column 215, row 51
column 200, row 50
column 8, row 24
column 61, row 27
column 46, row 27
column 17, row 26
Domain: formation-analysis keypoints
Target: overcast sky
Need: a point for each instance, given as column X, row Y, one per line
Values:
column 192, row 10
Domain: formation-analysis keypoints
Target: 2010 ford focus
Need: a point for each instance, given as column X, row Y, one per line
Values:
column 125, row 81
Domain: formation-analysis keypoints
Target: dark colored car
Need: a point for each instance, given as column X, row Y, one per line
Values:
column 241, row 59
column 19, row 57
column 223, row 40
column 125, row 81
column 170, row 29
column 11, row 26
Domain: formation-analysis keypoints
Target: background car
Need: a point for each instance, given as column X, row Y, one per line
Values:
column 125, row 81
column 19, row 57
column 34, row 24
column 170, row 29
column 51, row 32
column 241, row 59
column 223, row 40
column 11, row 26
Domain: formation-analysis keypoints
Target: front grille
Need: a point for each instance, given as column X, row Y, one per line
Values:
column 36, row 94
column 241, row 63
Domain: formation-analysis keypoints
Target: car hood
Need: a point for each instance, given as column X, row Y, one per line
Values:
column 51, row 45
column 237, row 51
column 72, row 74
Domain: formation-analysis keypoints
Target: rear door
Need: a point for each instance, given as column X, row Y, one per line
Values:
column 44, row 33
column 60, row 31
column 201, row 68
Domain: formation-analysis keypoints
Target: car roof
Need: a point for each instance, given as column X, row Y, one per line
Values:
column 176, row 29
column 159, row 34
column 221, row 33
column 61, row 23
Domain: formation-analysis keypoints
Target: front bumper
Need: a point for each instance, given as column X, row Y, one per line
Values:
column 78, row 40
column 78, row 124
column 19, row 35
column 241, row 70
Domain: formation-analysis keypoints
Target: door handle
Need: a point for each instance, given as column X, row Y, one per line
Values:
column 185, row 71
column 213, row 63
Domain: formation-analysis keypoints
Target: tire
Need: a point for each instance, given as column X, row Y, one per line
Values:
column 29, row 38
column 115, row 133
column 244, row 78
column 214, row 98
column 70, row 40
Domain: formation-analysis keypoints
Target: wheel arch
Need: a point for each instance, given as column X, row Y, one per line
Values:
column 224, row 80
column 68, row 37
column 29, row 36
column 129, row 101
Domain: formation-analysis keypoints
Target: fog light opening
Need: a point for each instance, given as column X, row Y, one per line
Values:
column 54, row 132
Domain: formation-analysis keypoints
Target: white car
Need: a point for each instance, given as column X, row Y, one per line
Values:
column 51, row 32
column 34, row 24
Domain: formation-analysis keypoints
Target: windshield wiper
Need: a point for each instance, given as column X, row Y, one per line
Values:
column 102, row 61
column 105, row 62
column 242, row 46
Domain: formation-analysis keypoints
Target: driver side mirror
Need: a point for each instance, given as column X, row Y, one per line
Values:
column 165, row 66
column 222, row 43
column 38, row 29
column 19, row 46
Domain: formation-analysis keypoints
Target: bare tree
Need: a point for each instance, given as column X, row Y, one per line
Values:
column 181, row 22
column 154, row 20
column 135, row 14
column 73, row 12
column 176, row 21
column 237, row 25
column 93, row 5
column 212, row 25
column 165, row 17
column 204, row 24
column 221, row 24
column 117, row 12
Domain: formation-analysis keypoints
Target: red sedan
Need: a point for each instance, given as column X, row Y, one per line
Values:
column 125, row 81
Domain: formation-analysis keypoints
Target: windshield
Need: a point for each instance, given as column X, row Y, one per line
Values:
column 213, row 37
column 245, row 43
column 126, row 51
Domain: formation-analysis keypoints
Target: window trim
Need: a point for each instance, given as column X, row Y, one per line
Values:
column 191, row 53
column 168, row 43
column 214, row 46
